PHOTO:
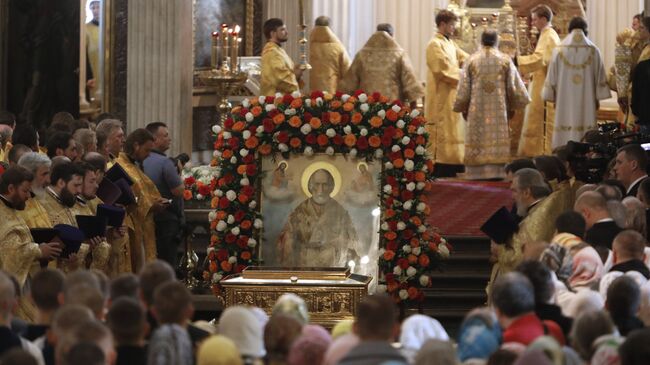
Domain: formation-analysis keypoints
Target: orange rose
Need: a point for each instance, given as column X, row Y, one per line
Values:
column 213, row 224
column 238, row 127
column 411, row 129
column 328, row 96
column 391, row 115
column 427, row 210
column 426, row 235
column 243, row 198
column 383, row 99
column 398, row 163
column 376, row 122
column 419, row 140
column 295, row 121
column 322, row 140
column 221, row 214
column 415, row 242
column 246, row 224
column 213, row 266
column 213, row 239
column 187, row 195
column 416, row 220
column 278, row 118
column 374, row 141
column 370, row 99
column 423, row 260
column 226, row 266
column 226, row 154
column 335, row 104
column 348, row 107
column 413, row 293
column 214, row 202
column 390, row 213
column 335, row 118
column 295, row 142
column 390, row 235
column 389, row 255
column 350, row 140
column 315, row 123
column 357, row 118
column 420, row 176
column 264, row 149
column 241, row 169
column 236, row 109
column 392, row 286
column 399, row 133
column 296, row 103
column 412, row 259
column 251, row 143
column 409, row 153
column 245, row 255
column 256, row 111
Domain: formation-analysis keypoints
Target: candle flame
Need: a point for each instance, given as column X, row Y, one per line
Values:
column 215, row 34
column 237, row 28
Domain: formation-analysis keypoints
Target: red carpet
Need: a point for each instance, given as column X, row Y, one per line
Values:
column 459, row 208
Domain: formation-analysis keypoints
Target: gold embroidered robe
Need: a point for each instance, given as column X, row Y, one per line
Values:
column 446, row 128
column 120, row 259
column 143, row 241
column 277, row 71
column 34, row 215
column 328, row 58
column 383, row 66
column 489, row 87
column 100, row 254
column 92, row 46
column 537, row 131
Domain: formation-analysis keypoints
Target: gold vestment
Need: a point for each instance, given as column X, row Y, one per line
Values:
column 277, row 71
column 328, row 58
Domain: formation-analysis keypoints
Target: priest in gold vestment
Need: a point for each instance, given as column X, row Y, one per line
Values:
column 92, row 45
column 444, row 59
column 143, row 241
column 489, row 92
column 383, row 66
column 327, row 56
column 34, row 215
column 278, row 71
column 537, row 131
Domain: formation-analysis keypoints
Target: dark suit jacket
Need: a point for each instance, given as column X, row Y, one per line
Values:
column 602, row 234
column 634, row 189
column 632, row 265
column 552, row 312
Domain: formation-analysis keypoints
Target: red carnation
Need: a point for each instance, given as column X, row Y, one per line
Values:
column 386, row 140
column 310, row 138
column 389, row 201
column 395, row 155
column 409, row 176
column 403, row 263
column 376, row 95
column 247, row 190
column 407, row 234
column 392, row 225
column 269, row 99
column 406, row 216
column 273, row 113
column 325, row 117
column 239, row 215
column 251, row 169
column 222, row 254
column 389, row 277
column 231, row 238
column 362, row 143
column 358, row 92
column 229, row 178
column 205, row 190
column 287, row 99
column 234, row 143
column 268, row 124
column 283, row 137
column 391, row 180
column 317, row 94
column 190, row 181
column 242, row 112
column 391, row 245
column 242, row 241
column 224, row 202
column 249, row 158
column 228, row 123
column 345, row 118
column 338, row 94
column 397, row 102
column 390, row 131
column 239, row 268
column 407, row 195
column 306, row 117
column 338, row 140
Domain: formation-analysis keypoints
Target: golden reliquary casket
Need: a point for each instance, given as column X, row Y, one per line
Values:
column 331, row 294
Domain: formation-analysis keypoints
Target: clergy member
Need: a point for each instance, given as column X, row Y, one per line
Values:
column 629, row 47
column 641, row 80
column 111, row 131
column 34, row 215
column 327, row 56
column 489, row 92
column 445, row 127
column 143, row 242
column 383, row 66
column 278, row 71
column 575, row 82
column 92, row 45
column 537, row 130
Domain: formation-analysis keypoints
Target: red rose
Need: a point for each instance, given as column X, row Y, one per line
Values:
column 325, row 117
column 376, row 95
column 231, row 238
column 247, row 190
column 386, row 140
column 251, row 169
column 391, row 180
column 358, row 92
column 338, row 140
column 406, row 216
column 310, row 138
column 397, row 102
column 283, row 137
column 392, row 225
column 407, row 234
column 190, row 181
column 389, row 201
column 345, row 118
column 269, row 99
column 222, row 254
column 205, row 190
column 306, row 117
column 338, row 94
column 242, row 112
column 407, row 195
column 316, row 94
column 228, row 123
column 362, row 143
column 391, row 245
column 239, row 268
column 287, row 99
column 411, row 145
column 239, row 215
column 224, row 202
column 268, row 124
column 389, row 131
column 234, row 143
column 242, row 241
column 395, row 155
column 409, row 176
column 249, row 158
column 229, row 178
column 403, row 263
column 273, row 113
column 389, row 277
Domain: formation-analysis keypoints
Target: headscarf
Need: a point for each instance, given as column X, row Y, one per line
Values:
column 607, row 350
column 418, row 328
column 585, row 300
column 310, row 347
column 218, row 350
column 292, row 305
column 240, row 325
column 339, row 348
column 279, row 334
column 587, row 268
column 551, row 348
column 436, row 352
column 533, row 357
column 477, row 338
column 341, row 328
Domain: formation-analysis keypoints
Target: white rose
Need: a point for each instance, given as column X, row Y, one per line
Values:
column 246, row 103
column 396, row 108
column 329, row 151
column 308, row 151
column 396, row 148
column 379, row 153
column 364, row 108
column 216, row 277
column 410, row 186
column 403, row 294
column 443, row 250
column 221, row 226
column 269, row 107
column 417, row 251
column 295, row 94
column 243, row 152
column 252, row 204
column 319, row 101
column 259, row 130
column 408, row 204
column 415, row 113
column 218, row 193
column 381, row 113
column 422, row 229
column 216, row 129
column 216, row 153
column 388, row 189
column 384, row 226
column 233, row 160
column 283, row 147
column 397, row 270
column 249, row 117
column 424, row 280
column 400, row 124
column 420, row 185
column 308, row 103
column 388, row 165
column 212, row 216
column 261, row 99
column 232, row 259
column 353, row 153
column 227, row 135
column 345, row 97
column 199, row 197
column 330, row 132
column 406, row 140
column 363, row 97
column 380, row 289
column 420, row 130
column 420, row 150
column 258, row 223
column 230, row 219
column 231, row 195
column 235, row 231
column 347, row 129
column 244, row 182
column 406, row 248
column 421, row 207
column 246, row 134
column 305, row 129
column 401, row 226
column 381, row 252
column 252, row 242
column 363, row 132
column 411, row 271
column 409, row 165
column 290, row 111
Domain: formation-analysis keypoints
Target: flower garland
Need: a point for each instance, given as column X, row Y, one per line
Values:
column 360, row 126
column 199, row 182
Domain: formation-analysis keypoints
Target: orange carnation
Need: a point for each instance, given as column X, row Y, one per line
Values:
column 243, row 198
column 335, row 117
column 423, row 260
column 389, row 255
column 335, row 104
column 221, row 214
column 348, row 107
column 246, row 224
column 376, row 122
column 416, row 220
column 398, row 163
column 238, row 127
column 420, row 176
column 315, row 123
column 256, row 111
column 390, row 235
column 392, row 286
column 412, row 259
column 409, row 153
column 295, row 142
column 412, row 129
column 390, row 213
column 374, row 141
column 264, row 149
column 236, row 109
column 295, row 121
column 399, row 133
column 278, row 118
column 419, row 140
column 226, row 154
column 214, row 202
column 350, row 140
column 187, row 195
column 322, row 140
column 245, row 255
column 241, row 169
column 413, row 293
column 251, row 143
column 391, row 115
column 296, row 103
column 213, row 266
column 383, row 99
column 226, row 266
column 357, row 118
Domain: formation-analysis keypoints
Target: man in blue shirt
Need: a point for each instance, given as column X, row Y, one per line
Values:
column 163, row 172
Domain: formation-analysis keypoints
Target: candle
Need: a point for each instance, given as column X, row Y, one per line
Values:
column 214, row 60
column 234, row 48
column 222, row 50
column 301, row 14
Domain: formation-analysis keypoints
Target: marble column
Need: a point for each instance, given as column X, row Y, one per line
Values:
column 159, row 68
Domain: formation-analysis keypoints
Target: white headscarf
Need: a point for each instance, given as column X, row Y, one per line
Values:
column 417, row 330
column 240, row 325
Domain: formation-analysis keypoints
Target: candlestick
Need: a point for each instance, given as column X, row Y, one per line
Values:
column 225, row 66
column 234, row 48
column 223, row 55
column 214, row 54
column 301, row 13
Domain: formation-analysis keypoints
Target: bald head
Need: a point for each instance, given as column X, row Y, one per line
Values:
column 593, row 207
column 628, row 245
column 323, row 21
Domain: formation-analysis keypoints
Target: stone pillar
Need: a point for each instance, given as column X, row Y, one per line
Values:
column 159, row 68
column 83, row 102
column 4, row 17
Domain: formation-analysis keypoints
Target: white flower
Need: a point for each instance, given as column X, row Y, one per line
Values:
column 278, row 95
column 261, row 99
column 417, row 251
column 415, row 113
column 233, row 160
column 406, row 140
column 230, row 219
column 305, row 129
column 246, row 134
column 411, row 271
column 363, row 97
column 401, row 226
column 420, row 130
column 422, row 228
column 330, row 132
column 353, row 153
column 388, row 189
column 199, row 197
column 364, row 108
column 269, row 107
column 395, row 148
column 216, row 277
column 252, row 242
column 232, row 259
column 379, row 153
column 212, row 216
column 424, row 280
column 408, row 204
column 388, row 165
column 218, row 193
column 409, row 164
column 420, row 185
column 210, row 249
column 406, row 248
column 243, row 152
column 397, row 270
column 396, row 108
column 329, row 151
column 308, row 151
column 258, row 223
column 443, row 250
column 249, row 117
column 410, row 186
column 319, row 101
column 403, row 294
column 381, row 252
column 235, row 231
column 231, row 195
column 290, row 111
column 283, row 147
column 295, row 94
column 420, row 150
column 345, row 97
column 380, row 289
column 246, row 103
column 244, row 182
column 347, row 129
column 400, row 124
column 308, row 103
column 421, row 207
column 252, row 204
column 384, row 226
column 259, row 130
column 363, row 132
column 216, row 153
column 221, row 226
column 216, row 129
column 227, row 135
column 381, row 113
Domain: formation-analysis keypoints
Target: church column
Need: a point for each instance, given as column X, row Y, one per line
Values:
column 159, row 68
column 83, row 102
